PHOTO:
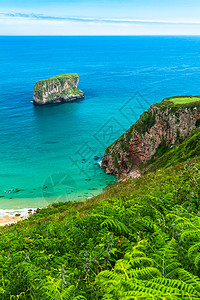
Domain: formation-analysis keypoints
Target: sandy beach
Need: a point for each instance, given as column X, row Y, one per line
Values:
column 6, row 220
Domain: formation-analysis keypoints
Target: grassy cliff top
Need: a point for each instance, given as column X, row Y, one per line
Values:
column 179, row 102
column 65, row 76
column 60, row 78
column 184, row 99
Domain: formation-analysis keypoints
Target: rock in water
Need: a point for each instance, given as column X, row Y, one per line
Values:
column 58, row 89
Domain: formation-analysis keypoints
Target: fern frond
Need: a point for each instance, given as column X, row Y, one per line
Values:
column 145, row 273
column 168, row 296
column 166, row 258
column 115, row 224
column 173, row 283
column 193, row 250
column 197, row 261
column 141, row 261
column 170, row 269
column 68, row 292
column 181, row 222
column 190, row 279
column 194, row 254
column 155, row 287
column 190, row 234
column 106, row 275
column 134, row 253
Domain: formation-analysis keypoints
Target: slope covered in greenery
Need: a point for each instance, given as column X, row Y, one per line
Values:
column 189, row 148
column 140, row 239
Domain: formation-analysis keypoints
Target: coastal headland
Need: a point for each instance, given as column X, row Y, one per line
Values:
column 160, row 128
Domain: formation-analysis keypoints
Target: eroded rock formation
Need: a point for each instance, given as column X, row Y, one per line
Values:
column 163, row 126
column 61, row 88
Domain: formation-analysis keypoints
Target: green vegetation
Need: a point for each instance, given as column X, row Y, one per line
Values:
column 65, row 76
column 175, row 103
column 39, row 90
column 184, row 99
column 162, row 149
column 197, row 123
column 188, row 149
column 158, row 111
column 143, row 125
column 139, row 239
column 59, row 78
column 76, row 91
column 146, row 121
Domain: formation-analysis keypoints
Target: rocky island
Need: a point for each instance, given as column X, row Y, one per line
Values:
column 160, row 128
column 58, row 89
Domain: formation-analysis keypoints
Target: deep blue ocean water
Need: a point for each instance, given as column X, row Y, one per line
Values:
column 51, row 153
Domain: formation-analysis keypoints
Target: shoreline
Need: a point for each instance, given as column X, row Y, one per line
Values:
column 6, row 220
column 13, row 215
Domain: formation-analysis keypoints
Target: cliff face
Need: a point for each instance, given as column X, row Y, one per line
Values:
column 61, row 88
column 163, row 126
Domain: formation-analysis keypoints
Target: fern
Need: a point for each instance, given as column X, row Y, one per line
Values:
column 194, row 255
column 166, row 259
column 132, row 278
column 190, row 279
column 115, row 225
column 112, row 223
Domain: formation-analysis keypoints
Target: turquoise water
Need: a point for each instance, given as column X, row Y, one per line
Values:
column 52, row 153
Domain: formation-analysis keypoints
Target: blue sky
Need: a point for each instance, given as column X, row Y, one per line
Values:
column 91, row 17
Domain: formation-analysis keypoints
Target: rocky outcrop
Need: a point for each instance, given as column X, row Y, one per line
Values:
column 163, row 126
column 58, row 89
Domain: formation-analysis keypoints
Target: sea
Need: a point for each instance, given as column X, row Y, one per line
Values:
column 53, row 153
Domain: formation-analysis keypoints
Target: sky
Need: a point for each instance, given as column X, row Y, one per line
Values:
column 92, row 17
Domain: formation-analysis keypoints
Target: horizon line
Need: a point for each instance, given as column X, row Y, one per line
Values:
column 99, row 35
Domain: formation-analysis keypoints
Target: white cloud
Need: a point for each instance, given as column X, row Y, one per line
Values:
column 34, row 24
column 103, row 20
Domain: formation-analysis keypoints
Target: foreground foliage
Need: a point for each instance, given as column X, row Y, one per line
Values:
column 138, row 240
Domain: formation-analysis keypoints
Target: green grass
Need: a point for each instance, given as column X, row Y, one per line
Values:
column 62, row 78
column 76, row 91
column 65, row 76
column 144, row 124
column 184, row 100
column 179, row 102
column 133, row 239
column 57, row 79
column 189, row 148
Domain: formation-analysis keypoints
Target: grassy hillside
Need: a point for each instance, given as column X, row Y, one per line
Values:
column 163, row 157
column 139, row 239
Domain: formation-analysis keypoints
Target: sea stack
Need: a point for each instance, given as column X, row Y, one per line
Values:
column 58, row 89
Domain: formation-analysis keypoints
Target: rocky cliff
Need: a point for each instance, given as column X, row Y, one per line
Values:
column 61, row 88
column 160, row 128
